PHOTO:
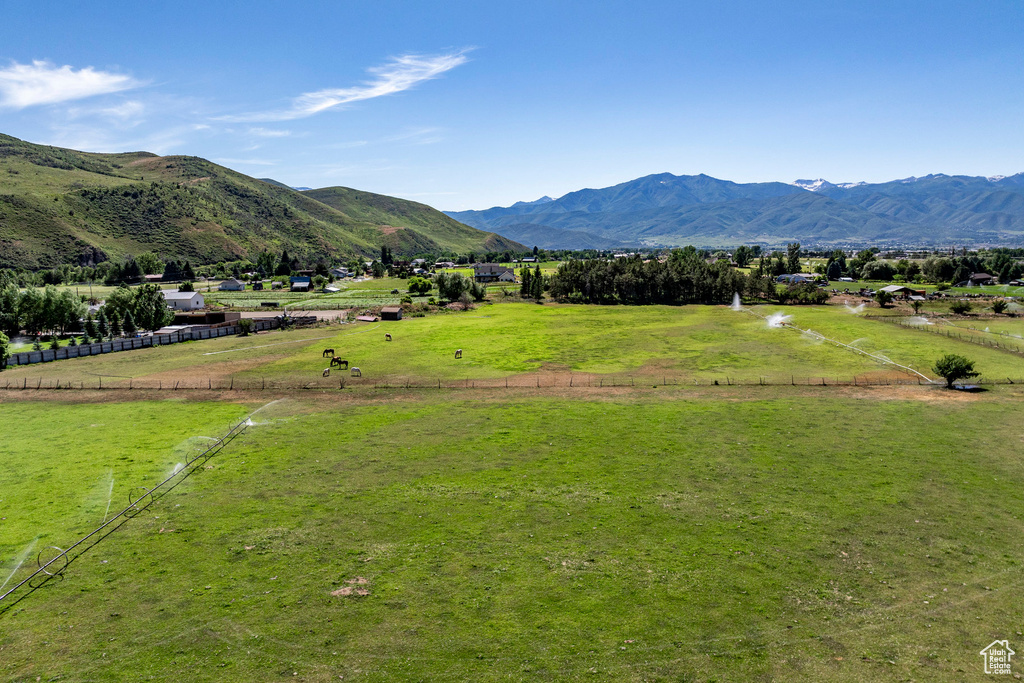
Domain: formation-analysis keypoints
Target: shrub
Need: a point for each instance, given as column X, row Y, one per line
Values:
column 960, row 307
column 999, row 306
column 406, row 299
column 883, row 298
column 803, row 293
column 245, row 327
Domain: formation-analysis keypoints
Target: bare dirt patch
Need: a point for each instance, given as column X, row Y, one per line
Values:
column 353, row 589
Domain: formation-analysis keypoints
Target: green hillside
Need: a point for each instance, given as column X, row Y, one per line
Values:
column 63, row 206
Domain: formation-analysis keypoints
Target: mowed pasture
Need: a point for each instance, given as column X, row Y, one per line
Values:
column 529, row 344
column 645, row 534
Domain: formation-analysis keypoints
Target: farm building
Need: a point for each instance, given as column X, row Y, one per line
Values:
column 904, row 292
column 492, row 272
column 257, row 286
column 301, row 283
column 184, row 301
column 232, row 285
column 797, row 278
column 391, row 313
column 982, row 279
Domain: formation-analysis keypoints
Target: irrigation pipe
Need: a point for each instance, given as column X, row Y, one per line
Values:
column 63, row 559
column 818, row 335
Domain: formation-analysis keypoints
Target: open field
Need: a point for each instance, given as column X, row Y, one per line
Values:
column 652, row 535
column 653, row 343
column 629, row 532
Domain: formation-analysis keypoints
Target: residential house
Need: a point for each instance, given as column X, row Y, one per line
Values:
column 492, row 272
column 232, row 285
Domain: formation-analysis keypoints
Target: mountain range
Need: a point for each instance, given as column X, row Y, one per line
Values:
column 669, row 210
column 63, row 206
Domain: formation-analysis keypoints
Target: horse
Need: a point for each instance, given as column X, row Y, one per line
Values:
column 327, row 372
column 328, row 352
column 458, row 354
column 387, row 336
column 356, row 372
column 339, row 362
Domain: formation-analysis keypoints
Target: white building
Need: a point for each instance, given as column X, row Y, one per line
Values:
column 184, row 301
column 232, row 285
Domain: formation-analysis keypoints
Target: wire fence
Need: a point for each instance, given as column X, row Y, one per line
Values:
column 948, row 331
column 518, row 382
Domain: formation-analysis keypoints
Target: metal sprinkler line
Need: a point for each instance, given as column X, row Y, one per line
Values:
column 880, row 359
column 133, row 507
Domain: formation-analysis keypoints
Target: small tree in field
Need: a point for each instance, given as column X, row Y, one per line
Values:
column 244, row 327
column 883, row 298
column 916, row 305
column 952, row 367
column 960, row 307
column 999, row 306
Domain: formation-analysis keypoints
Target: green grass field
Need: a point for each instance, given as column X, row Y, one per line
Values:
column 657, row 535
column 637, row 533
column 652, row 343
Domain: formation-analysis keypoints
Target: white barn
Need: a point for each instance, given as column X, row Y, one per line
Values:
column 184, row 301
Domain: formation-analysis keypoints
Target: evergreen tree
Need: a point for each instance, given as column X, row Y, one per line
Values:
column 90, row 326
column 793, row 257
column 103, row 324
column 537, row 284
column 54, row 343
column 525, row 286
column 72, row 342
column 834, row 271
column 129, row 324
column 115, row 324
column 36, row 346
column 284, row 267
column 187, row 273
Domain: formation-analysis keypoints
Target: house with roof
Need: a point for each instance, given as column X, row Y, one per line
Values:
column 184, row 301
column 982, row 279
column 232, row 285
column 391, row 313
column 301, row 283
column 492, row 272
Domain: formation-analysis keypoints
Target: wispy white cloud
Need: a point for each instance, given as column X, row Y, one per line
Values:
column 41, row 82
column 401, row 73
column 269, row 133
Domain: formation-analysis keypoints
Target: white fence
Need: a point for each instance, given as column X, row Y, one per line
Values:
column 190, row 334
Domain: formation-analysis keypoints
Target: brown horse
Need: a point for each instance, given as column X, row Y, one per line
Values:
column 339, row 362
column 458, row 354
column 387, row 336
column 328, row 352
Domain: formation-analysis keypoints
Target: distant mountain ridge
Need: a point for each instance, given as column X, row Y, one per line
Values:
column 669, row 210
column 64, row 206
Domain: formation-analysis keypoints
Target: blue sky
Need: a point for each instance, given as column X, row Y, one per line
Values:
column 472, row 104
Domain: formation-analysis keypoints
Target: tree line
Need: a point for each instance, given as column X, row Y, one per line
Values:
column 57, row 312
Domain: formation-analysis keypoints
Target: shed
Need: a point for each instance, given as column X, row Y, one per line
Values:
column 232, row 285
column 391, row 313
column 366, row 318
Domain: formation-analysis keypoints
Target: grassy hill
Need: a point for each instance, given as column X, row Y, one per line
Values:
column 64, row 206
